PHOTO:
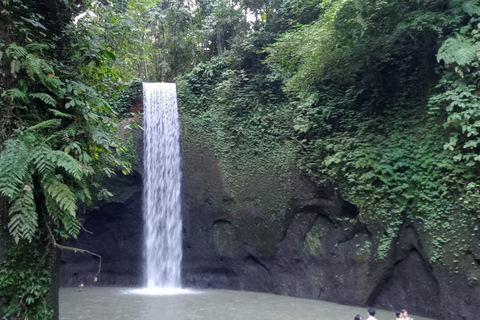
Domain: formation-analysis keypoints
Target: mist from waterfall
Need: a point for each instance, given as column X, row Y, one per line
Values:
column 161, row 183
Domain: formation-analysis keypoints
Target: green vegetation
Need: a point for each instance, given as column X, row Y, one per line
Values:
column 234, row 116
column 378, row 97
column 57, row 133
column 26, row 279
column 312, row 241
column 376, row 119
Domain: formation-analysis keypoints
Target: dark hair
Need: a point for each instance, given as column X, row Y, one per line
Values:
column 398, row 313
column 403, row 310
column 371, row 311
column 357, row 317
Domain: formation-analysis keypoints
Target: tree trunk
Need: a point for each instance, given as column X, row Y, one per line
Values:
column 192, row 39
column 52, row 298
column 220, row 47
column 3, row 239
column 5, row 102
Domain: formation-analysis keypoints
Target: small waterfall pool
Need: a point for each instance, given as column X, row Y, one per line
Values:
column 127, row 304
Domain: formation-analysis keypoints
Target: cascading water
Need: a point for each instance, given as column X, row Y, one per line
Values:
column 162, row 179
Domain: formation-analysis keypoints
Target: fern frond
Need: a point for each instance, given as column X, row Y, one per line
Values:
column 16, row 52
column 84, row 193
column 53, row 84
column 15, row 162
column 82, row 87
column 61, row 114
column 15, row 67
column 471, row 7
column 53, row 210
column 65, row 134
column 42, row 162
column 47, row 160
column 459, row 49
column 71, row 224
column 52, row 123
column 46, row 98
column 36, row 46
column 23, row 216
column 61, row 194
column 33, row 65
column 101, row 138
column 70, row 164
column 17, row 94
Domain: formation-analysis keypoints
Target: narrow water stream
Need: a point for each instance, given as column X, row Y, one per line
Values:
column 161, row 181
column 123, row 304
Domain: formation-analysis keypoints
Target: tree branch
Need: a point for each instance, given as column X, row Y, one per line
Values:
column 61, row 247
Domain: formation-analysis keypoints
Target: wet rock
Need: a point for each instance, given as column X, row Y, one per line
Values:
column 113, row 230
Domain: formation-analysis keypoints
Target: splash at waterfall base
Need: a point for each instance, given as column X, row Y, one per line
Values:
column 310, row 250
column 161, row 291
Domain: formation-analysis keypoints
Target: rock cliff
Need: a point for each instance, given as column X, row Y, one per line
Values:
column 316, row 249
column 312, row 245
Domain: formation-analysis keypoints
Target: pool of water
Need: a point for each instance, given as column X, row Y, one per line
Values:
column 127, row 303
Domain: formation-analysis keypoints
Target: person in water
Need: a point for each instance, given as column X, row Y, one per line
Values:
column 357, row 317
column 405, row 316
column 371, row 314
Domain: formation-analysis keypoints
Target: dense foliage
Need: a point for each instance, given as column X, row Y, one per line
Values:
column 364, row 78
column 57, row 133
column 378, row 97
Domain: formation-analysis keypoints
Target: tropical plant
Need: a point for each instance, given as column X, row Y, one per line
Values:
column 58, row 133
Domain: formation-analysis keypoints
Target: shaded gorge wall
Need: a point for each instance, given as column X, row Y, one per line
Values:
column 113, row 227
column 278, row 232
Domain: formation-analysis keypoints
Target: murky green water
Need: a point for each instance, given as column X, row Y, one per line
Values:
column 122, row 304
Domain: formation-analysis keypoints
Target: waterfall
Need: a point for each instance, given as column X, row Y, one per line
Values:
column 161, row 183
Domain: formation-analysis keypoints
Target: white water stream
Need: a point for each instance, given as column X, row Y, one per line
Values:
column 161, row 183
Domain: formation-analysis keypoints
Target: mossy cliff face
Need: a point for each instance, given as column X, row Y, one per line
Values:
column 251, row 221
column 248, row 228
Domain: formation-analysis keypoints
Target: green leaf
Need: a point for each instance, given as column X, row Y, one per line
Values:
column 30, row 300
column 16, row 52
column 46, row 98
column 34, row 23
column 52, row 123
column 61, row 194
column 471, row 7
column 17, row 94
column 58, row 113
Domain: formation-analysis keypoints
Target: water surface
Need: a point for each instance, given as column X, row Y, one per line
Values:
column 123, row 304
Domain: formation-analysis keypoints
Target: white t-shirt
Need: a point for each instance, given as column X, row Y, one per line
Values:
column 371, row 318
